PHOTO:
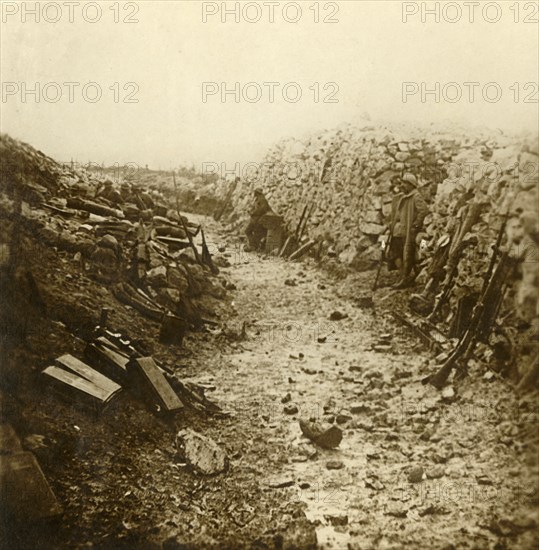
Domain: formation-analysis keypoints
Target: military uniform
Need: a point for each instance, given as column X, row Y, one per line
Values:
column 408, row 212
column 255, row 231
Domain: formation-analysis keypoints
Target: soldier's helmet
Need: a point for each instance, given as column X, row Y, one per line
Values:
column 410, row 179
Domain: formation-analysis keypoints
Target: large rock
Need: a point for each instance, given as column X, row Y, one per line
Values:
column 201, row 452
column 372, row 228
column 324, row 435
column 157, row 276
column 177, row 278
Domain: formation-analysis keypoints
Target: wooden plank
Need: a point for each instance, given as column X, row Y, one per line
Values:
column 106, row 342
column 285, row 246
column 108, row 361
column 26, row 495
column 76, row 366
column 178, row 243
column 156, row 383
column 118, row 343
column 302, row 250
column 78, row 387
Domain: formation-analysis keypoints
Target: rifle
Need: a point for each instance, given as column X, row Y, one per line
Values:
column 301, row 221
column 455, row 253
column 305, row 222
column 206, row 256
column 219, row 213
column 289, row 238
column 184, row 225
column 496, row 250
column 382, row 260
column 468, row 340
column 493, row 282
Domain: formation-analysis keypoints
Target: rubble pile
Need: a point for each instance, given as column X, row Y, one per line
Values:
column 122, row 236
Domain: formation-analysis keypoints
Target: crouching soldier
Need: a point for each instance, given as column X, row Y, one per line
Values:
column 255, row 231
column 106, row 191
column 407, row 214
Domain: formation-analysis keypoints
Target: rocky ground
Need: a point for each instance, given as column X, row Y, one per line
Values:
column 416, row 467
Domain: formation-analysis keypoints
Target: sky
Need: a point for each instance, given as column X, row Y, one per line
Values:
column 152, row 61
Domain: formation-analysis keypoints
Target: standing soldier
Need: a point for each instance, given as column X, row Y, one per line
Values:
column 255, row 231
column 407, row 214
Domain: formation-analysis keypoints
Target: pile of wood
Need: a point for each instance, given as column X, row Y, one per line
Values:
column 112, row 362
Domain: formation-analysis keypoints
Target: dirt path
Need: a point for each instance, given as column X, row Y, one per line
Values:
column 480, row 469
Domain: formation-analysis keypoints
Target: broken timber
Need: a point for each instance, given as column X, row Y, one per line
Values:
column 125, row 294
column 110, row 362
column 302, row 250
column 149, row 376
column 94, row 208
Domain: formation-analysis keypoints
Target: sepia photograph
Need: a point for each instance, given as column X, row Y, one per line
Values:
column 269, row 275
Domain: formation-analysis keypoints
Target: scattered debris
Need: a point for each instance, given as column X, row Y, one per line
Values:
column 337, row 316
column 383, row 348
column 448, row 394
column 435, row 473
column 309, row 370
column 336, row 519
column 291, row 409
column 327, row 437
column 343, row 417
column 281, row 483
column 334, row 465
column 372, row 482
column 416, row 474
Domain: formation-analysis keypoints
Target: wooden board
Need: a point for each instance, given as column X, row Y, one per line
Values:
column 107, row 343
column 171, row 241
column 76, row 366
column 78, row 388
column 26, row 495
column 108, row 361
column 146, row 372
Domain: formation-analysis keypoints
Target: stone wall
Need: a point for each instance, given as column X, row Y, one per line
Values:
column 347, row 173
